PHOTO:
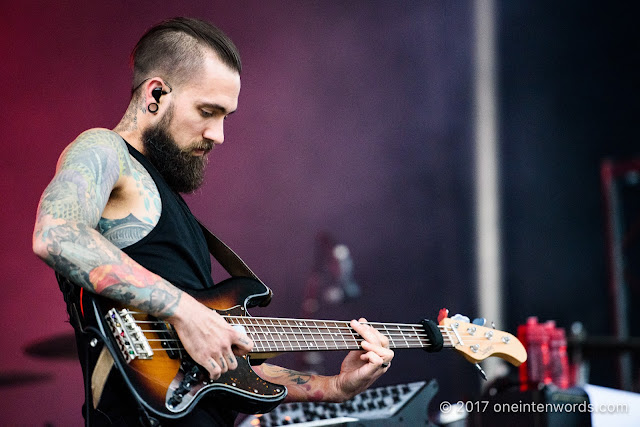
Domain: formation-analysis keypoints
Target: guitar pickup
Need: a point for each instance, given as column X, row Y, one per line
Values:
column 168, row 339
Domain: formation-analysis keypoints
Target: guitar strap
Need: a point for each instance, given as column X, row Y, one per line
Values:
column 100, row 374
column 226, row 257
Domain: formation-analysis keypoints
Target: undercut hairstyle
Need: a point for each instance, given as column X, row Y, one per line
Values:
column 175, row 49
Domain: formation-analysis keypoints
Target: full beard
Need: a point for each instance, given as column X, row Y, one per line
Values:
column 182, row 171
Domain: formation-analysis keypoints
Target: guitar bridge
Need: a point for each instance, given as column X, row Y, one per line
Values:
column 128, row 335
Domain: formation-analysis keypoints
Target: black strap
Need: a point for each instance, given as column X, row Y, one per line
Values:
column 226, row 257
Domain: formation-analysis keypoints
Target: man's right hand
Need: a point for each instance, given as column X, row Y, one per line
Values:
column 208, row 338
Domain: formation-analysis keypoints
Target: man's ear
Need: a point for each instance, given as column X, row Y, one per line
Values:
column 153, row 91
column 154, row 88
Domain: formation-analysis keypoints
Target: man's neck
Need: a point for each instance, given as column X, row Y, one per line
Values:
column 129, row 129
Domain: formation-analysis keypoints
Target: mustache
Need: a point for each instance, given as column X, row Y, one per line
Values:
column 205, row 145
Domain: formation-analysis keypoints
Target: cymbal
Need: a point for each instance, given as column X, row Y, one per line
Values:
column 17, row 378
column 60, row 346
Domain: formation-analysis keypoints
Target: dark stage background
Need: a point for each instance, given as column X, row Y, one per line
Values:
column 355, row 118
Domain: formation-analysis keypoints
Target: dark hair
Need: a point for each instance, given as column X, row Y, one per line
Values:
column 176, row 48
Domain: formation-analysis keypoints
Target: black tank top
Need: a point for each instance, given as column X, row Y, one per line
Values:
column 177, row 251
column 176, row 248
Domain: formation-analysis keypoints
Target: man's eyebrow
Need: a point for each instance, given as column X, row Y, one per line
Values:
column 219, row 108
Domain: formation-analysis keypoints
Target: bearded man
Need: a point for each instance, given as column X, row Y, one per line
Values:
column 112, row 221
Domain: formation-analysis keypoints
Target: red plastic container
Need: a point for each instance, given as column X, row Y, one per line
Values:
column 535, row 338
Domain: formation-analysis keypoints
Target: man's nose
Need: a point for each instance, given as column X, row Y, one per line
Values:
column 215, row 132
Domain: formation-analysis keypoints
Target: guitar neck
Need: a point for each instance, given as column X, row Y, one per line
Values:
column 277, row 335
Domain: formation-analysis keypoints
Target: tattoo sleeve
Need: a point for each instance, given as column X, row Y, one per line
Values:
column 65, row 235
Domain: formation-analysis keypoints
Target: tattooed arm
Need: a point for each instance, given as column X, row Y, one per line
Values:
column 89, row 172
column 358, row 371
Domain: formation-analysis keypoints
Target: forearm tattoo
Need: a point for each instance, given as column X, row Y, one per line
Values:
column 133, row 285
column 302, row 386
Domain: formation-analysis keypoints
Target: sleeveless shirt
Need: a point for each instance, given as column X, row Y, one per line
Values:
column 175, row 249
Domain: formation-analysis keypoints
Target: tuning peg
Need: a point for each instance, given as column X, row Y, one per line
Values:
column 480, row 321
column 493, row 325
column 481, row 371
column 461, row 318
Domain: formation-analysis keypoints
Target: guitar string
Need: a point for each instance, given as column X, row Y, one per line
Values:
column 390, row 334
column 448, row 343
column 400, row 328
column 258, row 321
column 323, row 330
column 284, row 319
column 323, row 336
column 412, row 341
column 314, row 326
column 293, row 346
column 331, row 332
column 310, row 334
column 311, row 344
column 404, row 328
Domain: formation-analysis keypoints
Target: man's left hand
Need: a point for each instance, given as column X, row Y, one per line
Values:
column 361, row 368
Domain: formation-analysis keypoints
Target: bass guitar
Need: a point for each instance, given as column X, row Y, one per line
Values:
column 149, row 355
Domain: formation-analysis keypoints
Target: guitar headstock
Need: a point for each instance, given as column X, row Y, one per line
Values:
column 477, row 342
